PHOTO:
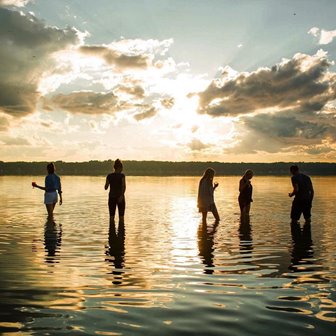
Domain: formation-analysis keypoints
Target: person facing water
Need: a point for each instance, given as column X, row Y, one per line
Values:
column 245, row 193
column 52, row 188
column 205, row 199
column 304, row 193
column 117, row 183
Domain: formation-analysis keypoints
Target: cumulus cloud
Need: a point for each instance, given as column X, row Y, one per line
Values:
column 129, row 54
column 324, row 36
column 286, row 132
column 114, row 57
column 85, row 102
column 26, row 46
column 302, row 83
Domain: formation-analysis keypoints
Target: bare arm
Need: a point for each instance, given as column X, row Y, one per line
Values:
column 123, row 185
column 106, row 184
column 295, row 190
column 38, row 187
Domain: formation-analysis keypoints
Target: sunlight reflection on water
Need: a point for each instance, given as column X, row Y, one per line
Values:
column 163, row 272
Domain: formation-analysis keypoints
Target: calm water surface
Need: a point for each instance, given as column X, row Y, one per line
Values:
column 163, row 273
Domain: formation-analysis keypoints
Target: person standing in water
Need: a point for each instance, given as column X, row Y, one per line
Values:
column 304, row 193
column 245, row 193
column 52, row 186
column 205, row 199
column 117, row 183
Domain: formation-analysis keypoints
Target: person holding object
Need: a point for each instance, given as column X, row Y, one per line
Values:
column 117, row 183
column 205, row 199
column 52, row 188
column 245, row 193
column 304, row 193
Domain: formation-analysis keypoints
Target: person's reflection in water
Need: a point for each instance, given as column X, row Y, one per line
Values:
column 116, row 250
column 245, row 237
column 52, row 240
column 206, row 245
column 302, row 248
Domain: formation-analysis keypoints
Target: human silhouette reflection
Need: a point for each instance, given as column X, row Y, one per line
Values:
column 301, row 247
column 116, row 250
column 245, row 237
column 206, row 248
column 52, row 240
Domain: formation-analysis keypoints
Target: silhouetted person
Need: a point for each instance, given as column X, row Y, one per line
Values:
column 304, row 194
column 245, row 193
column 52, row 239
column 117, row 183
column 206, row 245
column 302, row 245
column 205, row 199
column 116, row 248
column 52, row 185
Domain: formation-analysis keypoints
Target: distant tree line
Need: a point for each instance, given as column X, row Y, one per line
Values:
column 165, row 168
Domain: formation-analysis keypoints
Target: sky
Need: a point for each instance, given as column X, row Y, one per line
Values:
column 176, row 80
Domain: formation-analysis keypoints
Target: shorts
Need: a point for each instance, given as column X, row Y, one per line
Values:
column 113, row 204
column 50, row 197
column 301, row 207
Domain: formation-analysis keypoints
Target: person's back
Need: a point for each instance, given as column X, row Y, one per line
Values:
column 52, row 182
column 116, row 184
column 305, row 186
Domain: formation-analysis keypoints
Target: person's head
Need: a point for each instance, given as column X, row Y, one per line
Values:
column 209, row 173
column 248, row 174
column 118, row 166
column 294, row 169
column 51, row 168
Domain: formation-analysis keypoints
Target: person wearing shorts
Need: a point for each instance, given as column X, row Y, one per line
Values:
column 52, row 188
column 304, row 193
column 117, row 183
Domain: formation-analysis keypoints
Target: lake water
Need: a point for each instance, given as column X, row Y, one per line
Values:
column 165, row 274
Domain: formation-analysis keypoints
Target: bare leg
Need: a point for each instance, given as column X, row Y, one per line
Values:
column 50, row 210
column 204, row 217
column 215, row 213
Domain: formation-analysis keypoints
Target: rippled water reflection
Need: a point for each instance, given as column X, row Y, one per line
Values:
column 163, row 273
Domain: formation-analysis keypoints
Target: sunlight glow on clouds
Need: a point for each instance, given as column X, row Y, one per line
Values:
column 137, row 99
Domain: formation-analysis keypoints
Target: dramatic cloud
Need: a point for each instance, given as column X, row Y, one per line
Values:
column 113, row 57
column 303, row 84
column 26, row 47
column 324, row 36
column 129, row 54
column 286, row 132
column 86, row 102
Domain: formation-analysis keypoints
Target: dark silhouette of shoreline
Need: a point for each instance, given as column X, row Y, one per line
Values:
column 167, row 168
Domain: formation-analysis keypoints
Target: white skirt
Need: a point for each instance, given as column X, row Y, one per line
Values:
column 50, row 197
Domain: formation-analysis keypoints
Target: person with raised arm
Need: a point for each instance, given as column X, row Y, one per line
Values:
column 52, row 188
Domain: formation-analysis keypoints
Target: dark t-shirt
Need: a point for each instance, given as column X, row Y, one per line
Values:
column 305, row 190
column 116, row 184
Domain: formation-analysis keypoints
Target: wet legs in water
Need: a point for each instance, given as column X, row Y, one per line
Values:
column 50, row 209
column 214, row 212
